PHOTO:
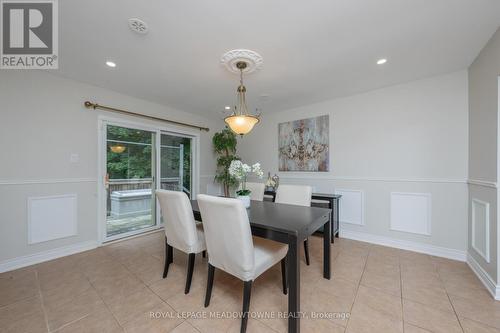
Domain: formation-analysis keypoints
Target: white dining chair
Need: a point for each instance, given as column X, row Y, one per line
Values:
column 181, row 230
column 299, row 195
column 257, row 190
column 232, row 248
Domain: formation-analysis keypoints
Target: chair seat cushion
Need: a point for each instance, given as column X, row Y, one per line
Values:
column 267, row 254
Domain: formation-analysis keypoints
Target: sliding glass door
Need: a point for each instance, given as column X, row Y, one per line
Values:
column 137, row 161
column 129, row 180
column 176, row 163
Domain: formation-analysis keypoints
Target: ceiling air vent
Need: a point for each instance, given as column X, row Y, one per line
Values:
column 138, row 26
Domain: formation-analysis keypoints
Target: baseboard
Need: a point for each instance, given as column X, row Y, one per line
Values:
column 484, row 277
column 36, row 258
column 405, row 245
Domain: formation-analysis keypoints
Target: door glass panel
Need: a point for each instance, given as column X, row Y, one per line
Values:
column 176, row 163
column 130, row 169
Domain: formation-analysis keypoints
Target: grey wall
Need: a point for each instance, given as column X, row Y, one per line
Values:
column 409, row 138
column 43, row 122
column 483, row 145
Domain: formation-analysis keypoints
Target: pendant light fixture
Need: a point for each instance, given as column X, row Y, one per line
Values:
column 117, row 148
column 240, row 121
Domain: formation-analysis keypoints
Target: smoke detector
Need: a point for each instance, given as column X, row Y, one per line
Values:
column 137, row 25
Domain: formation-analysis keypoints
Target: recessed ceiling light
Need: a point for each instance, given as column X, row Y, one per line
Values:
column 227, row 107
column 111, row 64
column 381, row 61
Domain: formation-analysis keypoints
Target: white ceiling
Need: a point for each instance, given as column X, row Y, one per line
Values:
column 313, row 50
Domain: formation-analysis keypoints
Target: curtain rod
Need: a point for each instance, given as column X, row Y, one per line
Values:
column 90, row 105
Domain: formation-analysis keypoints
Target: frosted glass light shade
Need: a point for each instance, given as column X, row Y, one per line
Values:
column 241, row 124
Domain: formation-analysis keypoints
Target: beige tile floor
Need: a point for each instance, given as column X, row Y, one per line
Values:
column 116, row 288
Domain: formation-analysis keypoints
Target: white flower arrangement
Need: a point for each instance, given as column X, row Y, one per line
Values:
column 240, row 171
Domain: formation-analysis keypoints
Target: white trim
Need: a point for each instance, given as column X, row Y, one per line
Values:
column 484, row 277
column 102, row 122
column 429, row 212
column 483, row 183
column 36, row 258
column 74, row 217
column 362, row 206
column 47, row 181
column 486, row 256
column 110, row 242
column 101, row 196
column 433, row 250
column 310, row 175
column 132, row 234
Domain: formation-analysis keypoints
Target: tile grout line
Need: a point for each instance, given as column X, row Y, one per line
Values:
column 481, row 323
column 401, row 291
column 41, row 300
column 152, row 291
column 358, row 284
column 104, row 303
column 449, row 299
column 71, row 322
column 88, row 314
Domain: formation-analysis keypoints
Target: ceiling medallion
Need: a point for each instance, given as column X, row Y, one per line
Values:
column 253, row 61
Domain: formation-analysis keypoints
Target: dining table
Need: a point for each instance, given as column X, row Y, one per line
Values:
column 291, row 225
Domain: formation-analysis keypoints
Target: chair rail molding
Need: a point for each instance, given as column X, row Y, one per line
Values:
column 310, row 176
column 46, row 181
column 482, row 183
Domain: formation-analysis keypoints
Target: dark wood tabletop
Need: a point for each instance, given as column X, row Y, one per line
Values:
column 288, row 219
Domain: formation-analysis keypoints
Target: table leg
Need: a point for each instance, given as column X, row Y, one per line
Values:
column 332, row 223
column 293, row 262
column 326, row 250
column 337, row 215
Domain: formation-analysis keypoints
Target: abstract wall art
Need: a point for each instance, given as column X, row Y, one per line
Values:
column 304, row 145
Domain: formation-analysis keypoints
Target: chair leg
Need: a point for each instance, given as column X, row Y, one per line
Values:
column 204, row 254
column 247, row 290
column 283, row 275
column 189, row 272
column 306, row 250
column 171, row 254
column 210, row 284
column 169, row 257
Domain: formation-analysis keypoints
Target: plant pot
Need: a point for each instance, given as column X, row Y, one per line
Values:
column 245, row 199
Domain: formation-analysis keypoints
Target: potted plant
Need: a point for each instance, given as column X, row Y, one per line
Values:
column 224, row 143
column 240, row 171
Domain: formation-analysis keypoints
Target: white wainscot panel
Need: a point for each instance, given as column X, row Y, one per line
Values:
column 51, row 217
column 352, row 206
column 411, row 212
column 481, row 228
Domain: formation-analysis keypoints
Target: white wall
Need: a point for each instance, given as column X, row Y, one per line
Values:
column 42, row 122
column 483, row 155
column 409, row 138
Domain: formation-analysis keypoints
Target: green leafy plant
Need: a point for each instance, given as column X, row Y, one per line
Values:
column 224, row 143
